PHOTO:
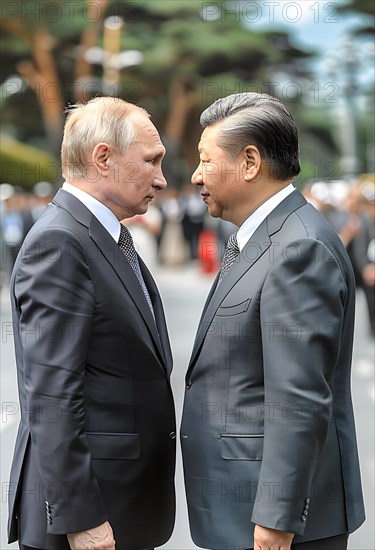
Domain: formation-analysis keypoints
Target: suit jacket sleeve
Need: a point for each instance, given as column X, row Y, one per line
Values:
column 301, row 318
column 55, row 301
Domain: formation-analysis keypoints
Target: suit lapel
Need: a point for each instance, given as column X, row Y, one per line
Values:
column 252, row 251
column 112, row 252
column 125, row 272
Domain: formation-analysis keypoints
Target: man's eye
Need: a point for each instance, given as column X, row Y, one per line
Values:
column 156, row 159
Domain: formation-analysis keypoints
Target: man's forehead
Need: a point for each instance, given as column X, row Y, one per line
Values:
column 141, row 122
column 145, row 130
column 209, row 136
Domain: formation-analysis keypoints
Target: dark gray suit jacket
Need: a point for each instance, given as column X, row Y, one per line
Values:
column 96, row 439
column 268, row 433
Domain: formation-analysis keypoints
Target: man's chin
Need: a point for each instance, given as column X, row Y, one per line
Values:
column 214, row 212
column 142, row 209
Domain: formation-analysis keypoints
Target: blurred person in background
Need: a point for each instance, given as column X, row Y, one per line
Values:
column 268, row 434
column 351, row 213
column 329, row 199
column 6, row 190
column 173, row 250
column 91, row 345
column 341, row 205
column 16, row 221
column 193, row 212
column 43, row 193
column 351, row 226
column 363, row 249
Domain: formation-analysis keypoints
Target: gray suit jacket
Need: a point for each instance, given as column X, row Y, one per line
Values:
column 268, row 433
column 96, row 439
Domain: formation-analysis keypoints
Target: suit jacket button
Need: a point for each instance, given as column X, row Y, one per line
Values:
column 172, row 435
column 303, row 518
column 307, row 501
column 188, row 384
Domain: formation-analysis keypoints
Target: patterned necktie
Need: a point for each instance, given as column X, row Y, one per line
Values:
column 231, row 252
column 126, row 244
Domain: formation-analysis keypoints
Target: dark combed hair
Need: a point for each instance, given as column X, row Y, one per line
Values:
column 260, row 120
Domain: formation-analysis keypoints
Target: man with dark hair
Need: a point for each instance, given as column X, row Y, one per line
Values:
column 268, row 435
column 93, row 466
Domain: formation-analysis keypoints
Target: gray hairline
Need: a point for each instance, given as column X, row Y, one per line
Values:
column 131, row 135
column 238, row 132
column 238, row 125
column 242, row 128
column 130, row 130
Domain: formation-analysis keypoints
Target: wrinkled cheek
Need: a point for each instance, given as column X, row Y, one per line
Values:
column 131, row 172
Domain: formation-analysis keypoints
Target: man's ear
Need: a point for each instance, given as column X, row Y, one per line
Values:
column 100, row 157
column 253, row 162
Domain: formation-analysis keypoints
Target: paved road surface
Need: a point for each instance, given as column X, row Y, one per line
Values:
column 184, row 291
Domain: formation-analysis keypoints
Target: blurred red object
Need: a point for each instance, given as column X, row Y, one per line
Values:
column 208, row 251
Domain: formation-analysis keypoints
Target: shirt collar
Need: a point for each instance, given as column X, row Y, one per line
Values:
column 104, row 215
column 251, row 224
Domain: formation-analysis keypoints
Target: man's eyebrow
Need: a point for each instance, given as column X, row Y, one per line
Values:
column 157, row 152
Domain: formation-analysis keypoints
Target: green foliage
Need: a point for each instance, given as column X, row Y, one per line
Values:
column 171, row 8
column 366, row 7
column 63, row 19
column 24, row 165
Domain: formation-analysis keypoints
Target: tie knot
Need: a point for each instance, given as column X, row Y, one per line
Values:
column 125, row 236
column 126, row 244
column 231, row 252
column 232, row 243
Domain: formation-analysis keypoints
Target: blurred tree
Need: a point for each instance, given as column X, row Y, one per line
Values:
column 195, row 53
column 36, row 31
column 367, row 7
column 191, row 53
column 354, row 58
column 21, row 163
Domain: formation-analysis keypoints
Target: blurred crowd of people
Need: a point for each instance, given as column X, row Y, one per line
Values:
column 350, row 209
column 177, row 229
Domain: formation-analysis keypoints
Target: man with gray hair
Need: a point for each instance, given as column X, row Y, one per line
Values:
column 268, row 435
column 94, row 460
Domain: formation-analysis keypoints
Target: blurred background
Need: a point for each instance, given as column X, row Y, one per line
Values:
column 174, row 58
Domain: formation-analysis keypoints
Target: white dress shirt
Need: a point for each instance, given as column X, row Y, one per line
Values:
column 105, row 216
column 251, row 224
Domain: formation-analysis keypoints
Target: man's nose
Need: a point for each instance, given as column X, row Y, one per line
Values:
column 160, row 180
column 196, row 178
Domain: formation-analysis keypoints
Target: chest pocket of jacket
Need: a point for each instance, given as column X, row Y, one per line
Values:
column 114, row 446
column 241, row 447
column 226, row 311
